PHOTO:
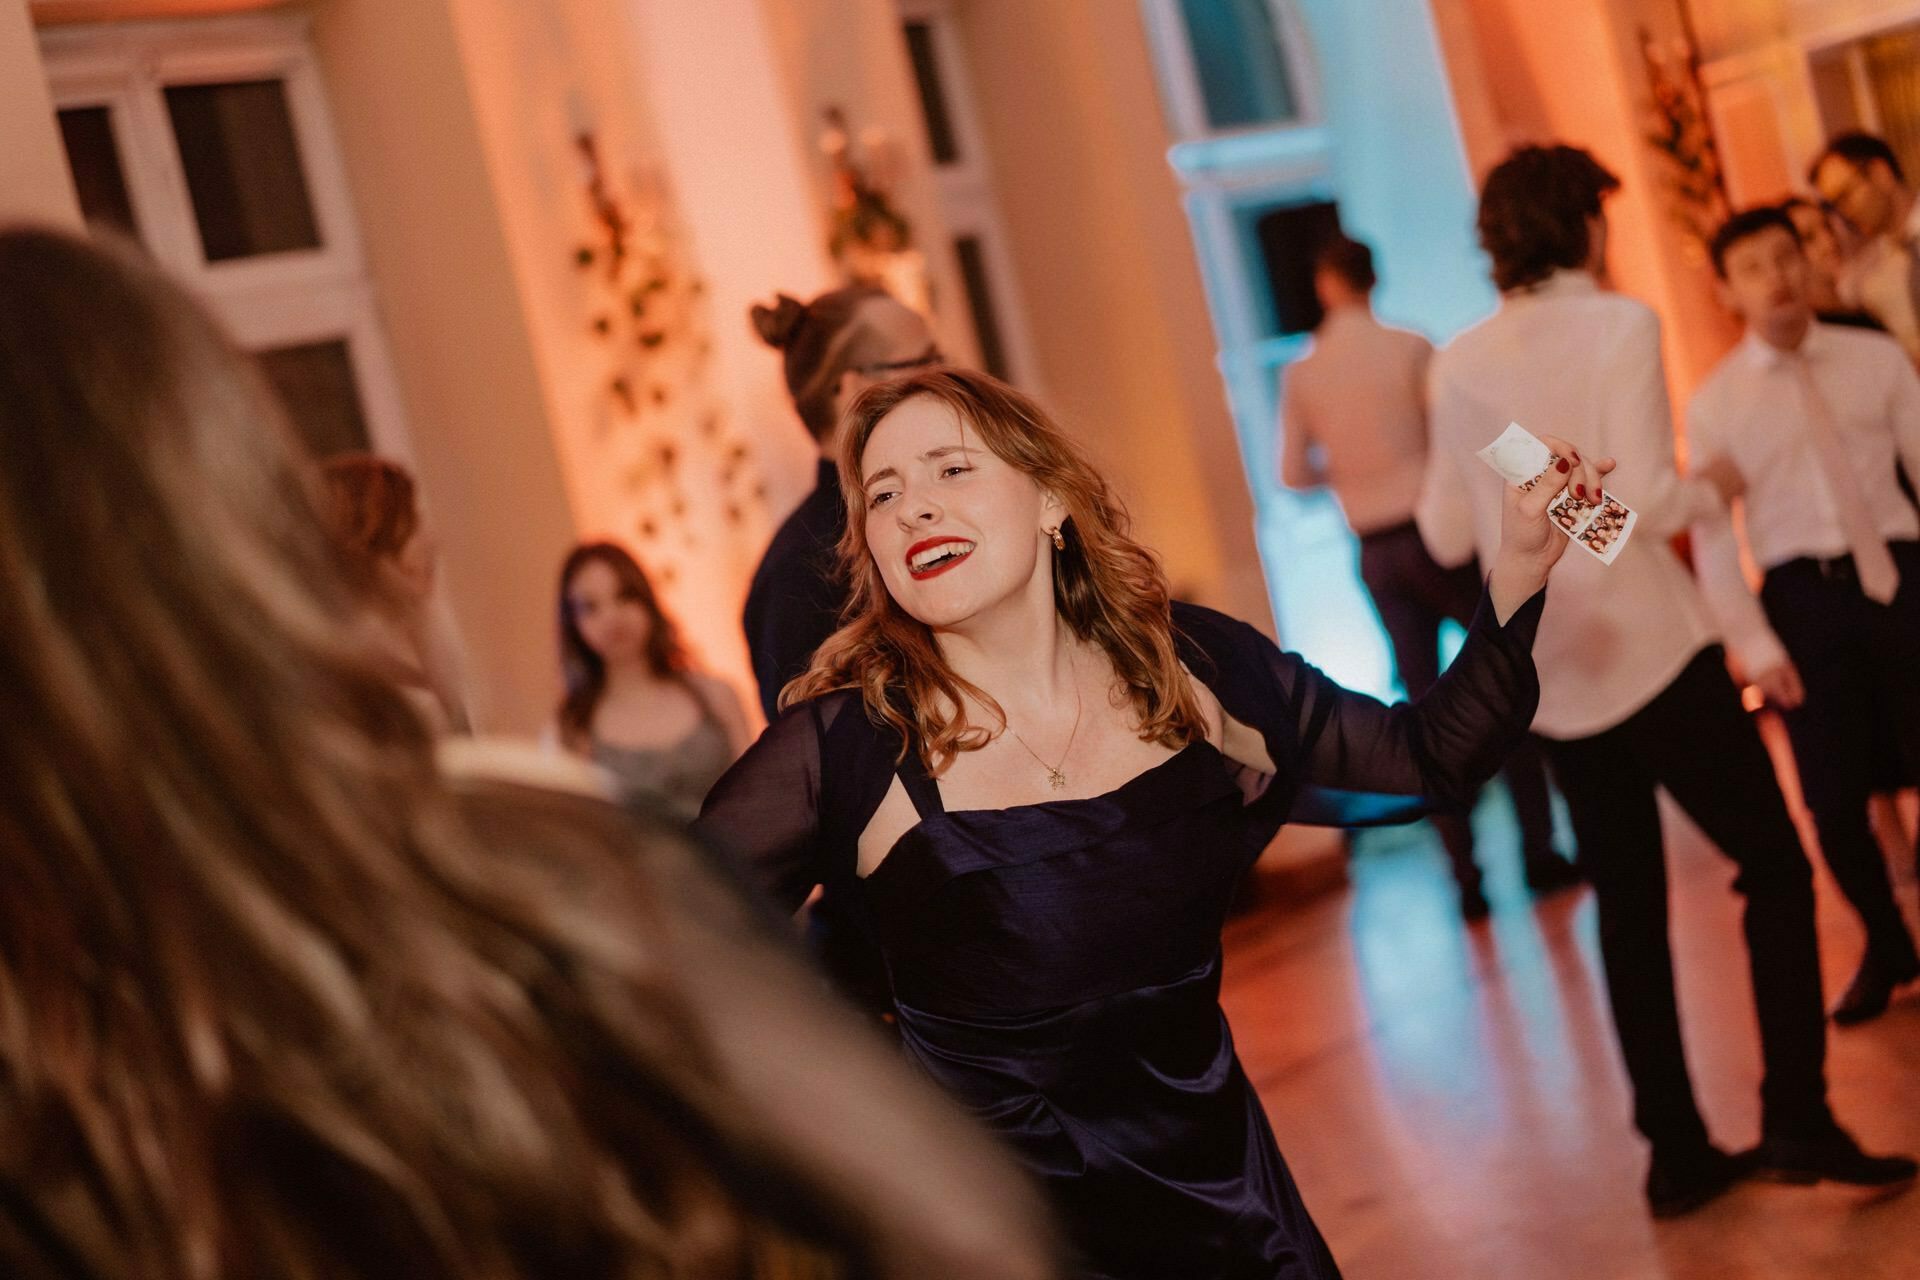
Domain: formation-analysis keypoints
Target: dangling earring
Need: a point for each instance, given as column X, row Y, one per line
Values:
column 1059, row 538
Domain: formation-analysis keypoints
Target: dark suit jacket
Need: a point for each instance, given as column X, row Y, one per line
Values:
column 797, row 592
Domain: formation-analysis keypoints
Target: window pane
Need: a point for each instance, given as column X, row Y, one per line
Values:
column 316, row 384
column 1236, row 55
column 97, row 172
column 1287, row 238
column 986, row 321
column 243, row 168
column 933, row 94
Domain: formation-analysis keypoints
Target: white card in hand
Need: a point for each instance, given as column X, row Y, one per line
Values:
column 1519, row 456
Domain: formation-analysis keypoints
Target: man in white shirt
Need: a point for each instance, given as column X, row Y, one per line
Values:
column 1859, row 177
column 1634, row 693
column 1818, row 419
column 1354, row 417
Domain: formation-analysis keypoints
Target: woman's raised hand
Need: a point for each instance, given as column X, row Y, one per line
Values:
column 1529, row 544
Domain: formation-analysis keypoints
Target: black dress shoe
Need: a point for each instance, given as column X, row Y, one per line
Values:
column 1872, row 988
column 1550, row 873
column 1680, row 1183
column 1832, row 1156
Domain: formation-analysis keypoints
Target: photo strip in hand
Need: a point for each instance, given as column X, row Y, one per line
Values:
column 1522, row 458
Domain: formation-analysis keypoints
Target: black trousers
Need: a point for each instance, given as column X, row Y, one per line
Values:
column 1414, row 595
column 1695, row 740
column 1860, row 662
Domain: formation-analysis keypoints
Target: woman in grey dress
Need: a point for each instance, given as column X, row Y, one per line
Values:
column 635, row 705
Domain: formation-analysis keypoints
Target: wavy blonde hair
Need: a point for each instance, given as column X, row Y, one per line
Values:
column 1108, row 588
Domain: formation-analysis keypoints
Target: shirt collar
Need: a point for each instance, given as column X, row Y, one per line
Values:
column 1566, row 282
column 1764, row 355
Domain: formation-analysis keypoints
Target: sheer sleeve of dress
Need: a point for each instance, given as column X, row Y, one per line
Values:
column 789, row 812
column 765, row 810
column 1346, row 759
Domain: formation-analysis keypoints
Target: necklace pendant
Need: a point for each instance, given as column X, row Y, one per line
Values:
column 1057, row 779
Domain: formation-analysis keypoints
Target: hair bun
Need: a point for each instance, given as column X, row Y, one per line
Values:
column 775, row 324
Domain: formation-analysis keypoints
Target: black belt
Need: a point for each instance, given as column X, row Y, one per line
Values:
column 1400, row 530
column 1838, row 568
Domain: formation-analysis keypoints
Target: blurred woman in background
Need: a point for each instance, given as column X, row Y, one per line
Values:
column 391, row 561
column 635, row 706
column 277, row 996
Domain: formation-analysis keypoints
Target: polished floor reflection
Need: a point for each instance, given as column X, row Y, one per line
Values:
column 1452, row 1102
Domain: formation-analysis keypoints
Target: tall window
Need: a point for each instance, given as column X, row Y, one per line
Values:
column 1238, row 57
column 208, row 144
column 1873, row 83
column 1231, row 66
column 967, row 201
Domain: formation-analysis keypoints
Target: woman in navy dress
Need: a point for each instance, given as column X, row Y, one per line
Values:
column 1042, row 779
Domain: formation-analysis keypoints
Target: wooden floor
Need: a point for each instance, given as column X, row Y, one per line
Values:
column 1451, row 1101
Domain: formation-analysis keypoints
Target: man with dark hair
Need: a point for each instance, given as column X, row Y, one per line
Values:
column 1818, row 418
column 1346, row 260
column 1860, row 178
column 1634, row 693
column 1540, row 213
column 1354, row 418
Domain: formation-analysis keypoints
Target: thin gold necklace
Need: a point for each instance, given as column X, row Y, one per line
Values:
column 1055, row 778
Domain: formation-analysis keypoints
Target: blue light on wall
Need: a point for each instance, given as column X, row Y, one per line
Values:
column 1378, row 136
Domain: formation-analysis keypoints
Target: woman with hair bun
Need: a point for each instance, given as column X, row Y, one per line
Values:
column 1040, row 779
column 832, row 349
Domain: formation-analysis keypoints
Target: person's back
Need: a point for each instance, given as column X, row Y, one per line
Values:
column 1573, row 359
column 281, row 999
column 1634, row 693
column 1355, row 418
column 1359, row 397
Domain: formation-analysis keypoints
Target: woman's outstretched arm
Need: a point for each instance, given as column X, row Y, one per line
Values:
column 1287, row 718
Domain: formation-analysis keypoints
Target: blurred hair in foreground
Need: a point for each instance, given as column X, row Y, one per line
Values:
column 277, row 998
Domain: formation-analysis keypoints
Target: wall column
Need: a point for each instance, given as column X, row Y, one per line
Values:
column 438, row 254
column 35, row 184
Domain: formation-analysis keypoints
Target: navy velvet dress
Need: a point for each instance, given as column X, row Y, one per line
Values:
column 1056, row 966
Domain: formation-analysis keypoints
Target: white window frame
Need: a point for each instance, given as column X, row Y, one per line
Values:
column 1180, row 77
column 266, row 300
column 967, row 202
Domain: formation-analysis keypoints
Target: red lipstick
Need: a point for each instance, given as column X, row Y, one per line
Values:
column 933, row 569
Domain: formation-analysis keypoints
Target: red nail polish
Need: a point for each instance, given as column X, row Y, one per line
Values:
column 1579, row 491
column 1562, row 464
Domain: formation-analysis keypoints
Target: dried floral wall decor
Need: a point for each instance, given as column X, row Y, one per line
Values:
column 1680, row 131
column 870, row 239
column 679, row 468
